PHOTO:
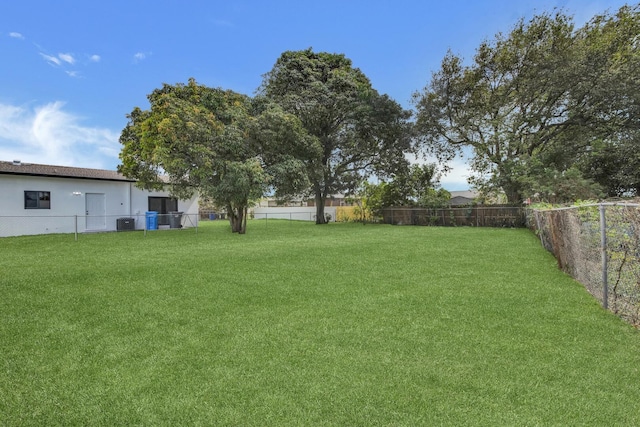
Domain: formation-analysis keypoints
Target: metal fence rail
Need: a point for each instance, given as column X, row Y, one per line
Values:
column 598, row 245
column 83, row 224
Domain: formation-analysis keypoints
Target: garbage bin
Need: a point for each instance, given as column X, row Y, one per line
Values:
column 152, row 220
column 212, row 216
column 175, row 219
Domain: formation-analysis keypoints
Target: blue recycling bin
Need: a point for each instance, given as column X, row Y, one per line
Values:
column 152, row 220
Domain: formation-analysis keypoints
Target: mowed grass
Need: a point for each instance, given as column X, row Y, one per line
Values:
column 298, row 324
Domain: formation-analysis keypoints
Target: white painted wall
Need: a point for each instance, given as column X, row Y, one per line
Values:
column 122, row 199
column 305, row 213
column 140, row 205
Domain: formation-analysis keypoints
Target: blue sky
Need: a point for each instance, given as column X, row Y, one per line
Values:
column 71, row 70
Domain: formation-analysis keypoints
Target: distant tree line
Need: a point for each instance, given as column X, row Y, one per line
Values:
column 546, row 111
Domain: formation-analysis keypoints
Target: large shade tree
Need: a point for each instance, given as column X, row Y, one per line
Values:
column 608, row 52
column 355, row 130
column 196, row 138
column 610, row 46
column 537, row 96
column 506, row 107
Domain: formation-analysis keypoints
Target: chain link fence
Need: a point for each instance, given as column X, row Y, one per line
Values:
column 598, row 245
column 82, row 224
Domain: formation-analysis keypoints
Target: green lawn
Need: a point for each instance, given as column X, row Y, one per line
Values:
column 298, row 324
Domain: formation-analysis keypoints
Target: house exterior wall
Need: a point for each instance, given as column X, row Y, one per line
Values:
column 68, row 205
column 140, row 205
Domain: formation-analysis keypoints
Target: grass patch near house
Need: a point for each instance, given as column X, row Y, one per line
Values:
column 298, row 324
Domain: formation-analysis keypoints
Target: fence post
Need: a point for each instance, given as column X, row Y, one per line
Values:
column 603, row 243
column 537, row 214
column 75, row 227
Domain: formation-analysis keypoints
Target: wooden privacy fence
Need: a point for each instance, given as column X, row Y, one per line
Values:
column 475, row 216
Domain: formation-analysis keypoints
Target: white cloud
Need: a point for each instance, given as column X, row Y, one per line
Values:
column 67, row 57
column 15, row 35
column 51, row 59
column 456, row 178
column 65, row 60
column 140, row 56
column 49, row 134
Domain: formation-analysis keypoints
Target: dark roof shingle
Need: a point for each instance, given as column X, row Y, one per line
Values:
column 33, row 169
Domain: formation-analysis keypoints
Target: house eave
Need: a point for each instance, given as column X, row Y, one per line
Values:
column 67, row 176
column 64, row 172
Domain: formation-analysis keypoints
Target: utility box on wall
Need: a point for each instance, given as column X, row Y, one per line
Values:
column 125, row 224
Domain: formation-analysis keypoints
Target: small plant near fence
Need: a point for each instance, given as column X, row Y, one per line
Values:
column 598, row 245
column 354, row 214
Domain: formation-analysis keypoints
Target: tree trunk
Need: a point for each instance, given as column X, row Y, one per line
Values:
column 513, row 193
column 238, row 219
column 243, row 226
column 320, row 200
column 230, row 216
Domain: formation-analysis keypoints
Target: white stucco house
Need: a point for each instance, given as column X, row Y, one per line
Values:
column 42, row 199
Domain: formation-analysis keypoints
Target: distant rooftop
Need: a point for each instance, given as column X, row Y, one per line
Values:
column 469, row 194
column 33, row 169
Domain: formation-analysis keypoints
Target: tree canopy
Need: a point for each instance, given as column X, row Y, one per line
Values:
column 414, row 186
column 540, row 95
column 612, row 42
column 215, row 141
column 357, row 130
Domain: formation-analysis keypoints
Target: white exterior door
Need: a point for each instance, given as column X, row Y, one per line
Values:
column 96, row 210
